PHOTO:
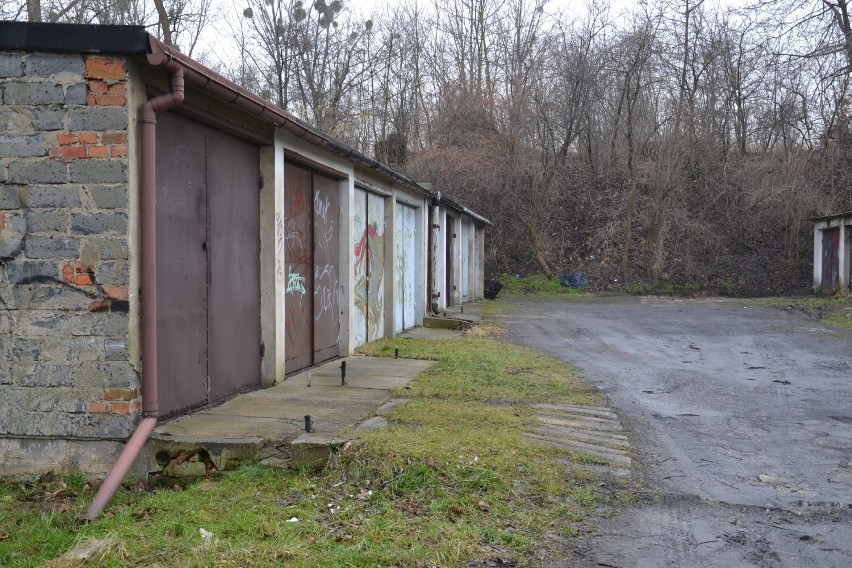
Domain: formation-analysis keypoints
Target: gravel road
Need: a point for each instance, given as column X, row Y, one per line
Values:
column 741, row 423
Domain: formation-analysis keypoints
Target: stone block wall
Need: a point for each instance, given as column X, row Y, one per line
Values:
column 64, row 364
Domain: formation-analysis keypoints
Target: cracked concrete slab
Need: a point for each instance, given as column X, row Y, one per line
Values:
column 262, row 424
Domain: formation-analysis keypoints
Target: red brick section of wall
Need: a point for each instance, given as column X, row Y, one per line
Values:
column 117, row 401
column 107, row 81
column 106, row 78
column 114, row 297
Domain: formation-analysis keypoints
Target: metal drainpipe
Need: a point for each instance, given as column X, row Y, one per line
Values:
column 148, row 203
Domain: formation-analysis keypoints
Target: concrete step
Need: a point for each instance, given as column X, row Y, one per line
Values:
column 610, row 441
column 589, row 430
column 581, row 421
column 594, row 411
column 444, row 323
column 606, row 454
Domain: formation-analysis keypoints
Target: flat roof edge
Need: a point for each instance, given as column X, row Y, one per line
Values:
column 831, row 217
column 73, row 38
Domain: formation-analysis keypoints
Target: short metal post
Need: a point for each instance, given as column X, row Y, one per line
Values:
column 309, row 427
column 396, row 353
column 343, row 373
column 462, row 309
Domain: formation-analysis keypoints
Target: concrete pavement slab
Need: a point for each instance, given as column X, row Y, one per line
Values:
column 264, row 423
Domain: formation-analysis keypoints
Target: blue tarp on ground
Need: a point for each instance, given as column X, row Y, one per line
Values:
column 578, row 280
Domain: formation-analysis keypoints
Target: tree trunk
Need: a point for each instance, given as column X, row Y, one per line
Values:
column 651, row 242
column 165, row 25
column 628, row 223
column 34, row 10
column 538, row 251
column 631, row 170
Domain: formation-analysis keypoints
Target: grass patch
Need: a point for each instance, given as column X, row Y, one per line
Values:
column 809, row 302
column 483, row 370
column 842, row 321
column 834, row 311
column 453, row 479
column 676, row 290
column 483, row 330
column 537, row 285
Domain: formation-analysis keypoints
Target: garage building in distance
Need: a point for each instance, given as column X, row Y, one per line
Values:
column 833, row 254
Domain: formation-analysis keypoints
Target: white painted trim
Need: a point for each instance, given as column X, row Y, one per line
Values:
column 370, row 188
column 277, row 186
column 346, row 274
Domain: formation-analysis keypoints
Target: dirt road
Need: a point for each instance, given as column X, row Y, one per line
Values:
column 741, row 421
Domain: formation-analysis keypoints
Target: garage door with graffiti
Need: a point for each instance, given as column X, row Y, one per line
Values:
column 369, row 259
column 405, row 264
column 450, row 261
column 311, row 267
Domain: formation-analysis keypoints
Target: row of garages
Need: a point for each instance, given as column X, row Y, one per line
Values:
column 350, row 250
column 289, row 254
column 194, row 238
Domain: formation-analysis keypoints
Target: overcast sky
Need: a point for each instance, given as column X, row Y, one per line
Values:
column 216, row 39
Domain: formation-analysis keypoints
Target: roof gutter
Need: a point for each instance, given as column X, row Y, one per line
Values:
column 832, row 217
column 148, row 206
column 223, row 89
column 453, row 204
column 211, row 82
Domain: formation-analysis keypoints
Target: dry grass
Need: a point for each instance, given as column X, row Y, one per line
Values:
column 484, row 330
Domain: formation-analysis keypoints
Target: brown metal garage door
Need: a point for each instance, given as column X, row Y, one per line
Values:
column 312, row 261
column 208, row 264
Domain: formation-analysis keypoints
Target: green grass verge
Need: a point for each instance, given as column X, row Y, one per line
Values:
column 678, row 290
column 842, row 321
column 453, row 479
column 834, row 311
column 537, row 285
column 810, row 302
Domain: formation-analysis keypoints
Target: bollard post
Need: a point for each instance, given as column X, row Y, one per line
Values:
column 343, row 373
column 309, row 427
